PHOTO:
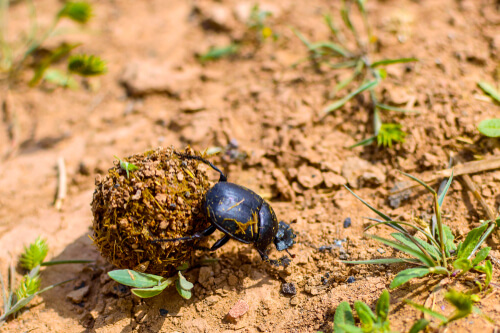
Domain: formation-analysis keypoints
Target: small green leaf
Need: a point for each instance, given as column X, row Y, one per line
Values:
column 28, row 286
column 490, row 127
column 60, row 78
column 135, row 279
column 487, row 269
column 390, row 133
column 34, row 254
column 470, row 242
column 408, row 274
column 463, row 264
column 481, row 255
column 393, row 61
column 490, row 90
column 419, row 326
column 365, row 314
column 183, row 283
column 427, row 311
column 186, row 294
column 349, row 328
column 42, row 70
column 343, row 315
column 383, row 303
column 338, row 104
column 78, row 11
column 462, row 302
column 86, row 65
column 448, row 239
column 215, row 53
column 124, row 165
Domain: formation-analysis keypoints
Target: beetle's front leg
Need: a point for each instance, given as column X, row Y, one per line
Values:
column 283, row 261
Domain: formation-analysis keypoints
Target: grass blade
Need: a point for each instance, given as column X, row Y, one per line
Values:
column 60, row 262
column 427, row 311
column 392, row 61
column 382, row 261
column 490, row 90
column 338, row 104
column 364, row 142
column 330, row 46
column 394, row 108
column 421, row 182
column 427, row 261
column 344, row 64
column 445, row 190
column 418, row 244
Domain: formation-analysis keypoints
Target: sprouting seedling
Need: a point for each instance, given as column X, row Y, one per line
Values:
column 463, row 304
column 377, row 322
column 433, row 254
column 215, row 53
column 127, row 166
column 31, row 259
column 86, row 65
column 335, row 54
column 150, row 285
column 257, row 22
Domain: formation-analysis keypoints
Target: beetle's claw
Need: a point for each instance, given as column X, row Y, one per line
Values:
column 282, row 262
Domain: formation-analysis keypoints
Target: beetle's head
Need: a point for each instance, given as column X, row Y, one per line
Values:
column 284, row 237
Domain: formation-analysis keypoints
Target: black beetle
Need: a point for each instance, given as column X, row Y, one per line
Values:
column 242, row 214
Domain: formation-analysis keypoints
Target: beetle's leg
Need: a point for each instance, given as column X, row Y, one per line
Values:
column 216, row 245
column 207, row 232
column 283, row 261
column 222, row 177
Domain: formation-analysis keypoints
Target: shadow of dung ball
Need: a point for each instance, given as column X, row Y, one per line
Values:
column 162, row 198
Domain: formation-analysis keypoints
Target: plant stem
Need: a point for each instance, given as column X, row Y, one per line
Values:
column 440, row 228
column 59, row 262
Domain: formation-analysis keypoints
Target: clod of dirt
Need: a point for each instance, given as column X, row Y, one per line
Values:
column 239, row 309
column 77, row 296
column 289, row 288
column 333, row 180
column 145, row 77
column 359, row 173
column 309, row 177
column 161, row 199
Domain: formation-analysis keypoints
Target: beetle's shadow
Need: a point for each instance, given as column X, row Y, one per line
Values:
column 107, row 303
column 110, row 305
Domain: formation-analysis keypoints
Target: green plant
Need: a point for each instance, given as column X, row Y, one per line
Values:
column 257, row 23
column 15, row 299
column 215, row 53
column 368, row 73
column 490, row 127
column 377, row 322
column 127, row 166
column 13, row 60
column 149, row 285
column 436, row 252
column 463, row 304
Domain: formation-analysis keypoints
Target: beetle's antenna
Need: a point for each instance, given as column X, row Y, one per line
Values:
column 222, row 178
column 290, row 254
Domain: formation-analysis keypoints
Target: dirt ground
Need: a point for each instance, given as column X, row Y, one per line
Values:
column 267, row 115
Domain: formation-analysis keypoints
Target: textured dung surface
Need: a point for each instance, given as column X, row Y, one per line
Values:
column 162, row 199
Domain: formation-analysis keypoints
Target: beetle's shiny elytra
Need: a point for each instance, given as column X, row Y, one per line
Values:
column 243, row 215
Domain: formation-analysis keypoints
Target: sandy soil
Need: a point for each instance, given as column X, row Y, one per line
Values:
column 157, row 93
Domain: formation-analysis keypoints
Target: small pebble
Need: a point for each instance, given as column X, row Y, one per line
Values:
column 382, row 251
column 350, row 279
column 77, row 296
column 289, row 288
column 163, row 312
column 239, row 309
column 347, row 222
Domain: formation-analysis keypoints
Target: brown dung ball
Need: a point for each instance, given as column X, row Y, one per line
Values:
column 161, row 197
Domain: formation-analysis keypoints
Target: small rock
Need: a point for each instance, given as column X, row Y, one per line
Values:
column 382, row 251
column 347, row 222
column 360, row 173
column 192, row 105
column 239, row 309
column 211, row 300
column 163, row 312
column 77, row 296
column 205, row 273
column 351, row 279
column 198, row 325
column 294, row 301
column 289, row 288
column 283, row 186
column 137, row 195
column 333, row 180
column 232, row 280
column 309, row 177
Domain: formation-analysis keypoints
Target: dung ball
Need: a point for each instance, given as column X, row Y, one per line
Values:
column 155, row 195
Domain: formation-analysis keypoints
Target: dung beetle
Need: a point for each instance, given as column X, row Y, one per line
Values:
column 243, row 215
